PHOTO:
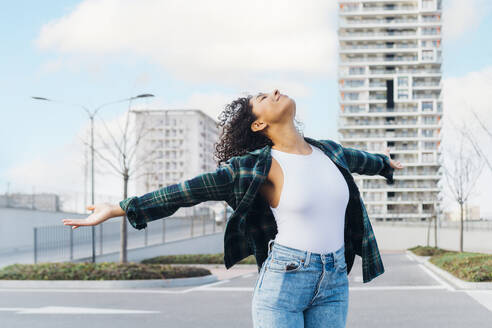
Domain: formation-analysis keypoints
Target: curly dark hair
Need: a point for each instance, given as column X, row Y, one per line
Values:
column 236, row 137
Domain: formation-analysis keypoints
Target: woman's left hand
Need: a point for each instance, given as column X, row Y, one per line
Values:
column 393, row 164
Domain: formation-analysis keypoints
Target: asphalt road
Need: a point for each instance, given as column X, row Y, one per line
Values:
column 406, row 295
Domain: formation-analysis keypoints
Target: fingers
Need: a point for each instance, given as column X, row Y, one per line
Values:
column 75, row 222
column 398, row 165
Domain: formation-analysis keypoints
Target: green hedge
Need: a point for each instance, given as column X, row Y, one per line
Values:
column 469, row 266
column 98, row 271
column 217, row 258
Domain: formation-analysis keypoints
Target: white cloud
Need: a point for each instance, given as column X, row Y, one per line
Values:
column 221, row 41
column 62, row 170
column 460, row 95
column 461, row 17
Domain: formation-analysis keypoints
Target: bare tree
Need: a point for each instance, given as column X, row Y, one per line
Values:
column 479, row 149
column 462, row 176
column 119, row 152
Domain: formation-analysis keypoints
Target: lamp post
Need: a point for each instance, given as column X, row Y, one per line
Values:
column 91, row 117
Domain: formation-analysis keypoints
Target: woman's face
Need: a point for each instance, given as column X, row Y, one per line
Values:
column 272, row 108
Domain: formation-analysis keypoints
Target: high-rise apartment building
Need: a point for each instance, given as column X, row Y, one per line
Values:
column 389, row 73
column 175, row 145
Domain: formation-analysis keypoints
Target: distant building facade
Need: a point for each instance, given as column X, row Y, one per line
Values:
column 176, row 145
column 390, row 58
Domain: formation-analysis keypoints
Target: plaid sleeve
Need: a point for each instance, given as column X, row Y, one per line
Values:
column 165, row 201
column 363, row 162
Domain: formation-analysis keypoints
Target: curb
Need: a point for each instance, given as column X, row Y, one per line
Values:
column 108, row 284
column 454, row 281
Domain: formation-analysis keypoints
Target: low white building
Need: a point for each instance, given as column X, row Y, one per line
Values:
column 177, row 144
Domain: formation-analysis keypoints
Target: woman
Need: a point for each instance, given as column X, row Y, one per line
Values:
column 296, row 208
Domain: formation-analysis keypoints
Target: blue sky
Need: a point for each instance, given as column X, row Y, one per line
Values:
column 53, row 62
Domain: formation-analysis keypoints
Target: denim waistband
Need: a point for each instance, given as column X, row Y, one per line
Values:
column 306, row 255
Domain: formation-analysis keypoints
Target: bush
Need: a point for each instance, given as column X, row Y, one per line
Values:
column 98, row 271
column 429, row 251
column 473, row 267
column 217, row 258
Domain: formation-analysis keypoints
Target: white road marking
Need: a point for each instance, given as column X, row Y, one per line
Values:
column 72, row 310
column 437, row 278
column 357, row 279
column 411, row 258
column 68, row 290
column 208, row 287
column 483, row 297
column 248, row 275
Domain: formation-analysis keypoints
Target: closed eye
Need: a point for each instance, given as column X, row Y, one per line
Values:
column 262, row 98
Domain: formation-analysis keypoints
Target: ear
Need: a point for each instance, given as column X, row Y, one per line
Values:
column 257, row 126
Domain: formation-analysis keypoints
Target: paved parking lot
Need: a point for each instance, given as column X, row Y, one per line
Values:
column 406, row 295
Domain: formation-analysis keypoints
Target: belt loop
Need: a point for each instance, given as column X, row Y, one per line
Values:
column 308, row 258
column 269, row 247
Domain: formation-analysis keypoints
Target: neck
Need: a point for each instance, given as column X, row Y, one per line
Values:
column 287, row 139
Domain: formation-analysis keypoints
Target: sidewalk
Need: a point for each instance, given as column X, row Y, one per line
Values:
column 220, row 271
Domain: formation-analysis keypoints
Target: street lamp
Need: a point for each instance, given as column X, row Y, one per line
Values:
column 91, row 117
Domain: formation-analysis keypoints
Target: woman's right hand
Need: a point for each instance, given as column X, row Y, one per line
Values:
column 102, row 212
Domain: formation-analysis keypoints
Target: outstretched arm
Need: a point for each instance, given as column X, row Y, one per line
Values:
column 363, row 162
column 164, row 202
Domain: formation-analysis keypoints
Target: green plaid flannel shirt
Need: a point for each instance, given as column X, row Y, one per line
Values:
column 252, row 224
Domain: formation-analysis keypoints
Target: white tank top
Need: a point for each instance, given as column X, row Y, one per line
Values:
column 314, row 197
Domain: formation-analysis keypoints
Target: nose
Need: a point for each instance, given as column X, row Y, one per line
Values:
column 275, row 93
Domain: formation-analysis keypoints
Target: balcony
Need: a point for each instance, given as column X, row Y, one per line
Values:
column 400, row 21
column 378, row 47
column 378, row 35
column 379, row 59
column 348, row 10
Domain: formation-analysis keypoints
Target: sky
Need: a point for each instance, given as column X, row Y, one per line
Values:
column 192, row 55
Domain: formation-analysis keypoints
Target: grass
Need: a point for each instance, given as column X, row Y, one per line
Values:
column 98, row 271
column 153, row 268
column 468, row 266
column 217, row 258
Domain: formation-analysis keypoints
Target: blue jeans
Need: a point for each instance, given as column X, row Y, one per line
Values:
column 297, row 288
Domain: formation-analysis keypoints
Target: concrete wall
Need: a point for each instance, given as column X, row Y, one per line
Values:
column 208, row 244
column 394, row 237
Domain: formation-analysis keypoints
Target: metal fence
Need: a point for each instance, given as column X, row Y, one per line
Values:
column 62, row 243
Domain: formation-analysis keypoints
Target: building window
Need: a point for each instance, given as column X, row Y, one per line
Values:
column 427, row 106
column 430, row 145
column 402, row 94
column 356, row 70
column 354, row 83
column 427, row 54
column 428, row 4
column 403, row 81
column 427, row 157
column 427, row 132
column 352, row 95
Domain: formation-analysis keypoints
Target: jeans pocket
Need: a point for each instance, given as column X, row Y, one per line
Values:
column 284, row 263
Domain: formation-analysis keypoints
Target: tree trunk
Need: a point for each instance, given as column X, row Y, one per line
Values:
column 123, row 230
column 461, row 226
column 435, row 231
